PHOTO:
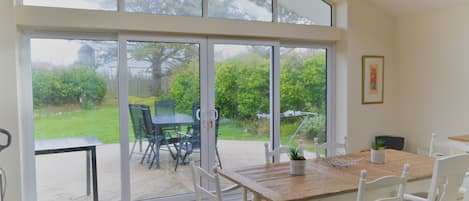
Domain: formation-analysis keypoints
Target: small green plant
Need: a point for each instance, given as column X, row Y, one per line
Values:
column 378, row 145
column 294, row 155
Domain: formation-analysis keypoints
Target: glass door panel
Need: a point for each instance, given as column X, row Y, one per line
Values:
column 75, row 97
column 303, row 97
column 242, row 94
column 164, row 117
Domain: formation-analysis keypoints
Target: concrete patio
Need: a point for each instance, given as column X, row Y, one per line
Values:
column 62, row 177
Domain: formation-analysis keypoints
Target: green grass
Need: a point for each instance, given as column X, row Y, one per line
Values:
column 102, row 122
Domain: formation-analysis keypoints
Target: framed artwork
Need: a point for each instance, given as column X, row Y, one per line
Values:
column 372, row 79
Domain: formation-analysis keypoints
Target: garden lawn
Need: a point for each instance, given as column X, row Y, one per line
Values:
column 102, row 122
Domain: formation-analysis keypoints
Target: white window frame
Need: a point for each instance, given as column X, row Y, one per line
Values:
column 206, row 72
column 123, row 91
column 330, row 107
column 28, row 138
column 275, row 14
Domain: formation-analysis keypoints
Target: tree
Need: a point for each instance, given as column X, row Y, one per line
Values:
column 169, row 55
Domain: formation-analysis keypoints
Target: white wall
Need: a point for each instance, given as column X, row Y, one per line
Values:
column 367, row 31
column 9, row 115
column 433, row 56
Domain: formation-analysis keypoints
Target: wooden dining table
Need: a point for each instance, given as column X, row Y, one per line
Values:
column 273, row 182
column 460, row 138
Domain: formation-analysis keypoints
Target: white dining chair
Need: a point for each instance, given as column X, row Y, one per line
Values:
column 448, row 147
column 202, row 193
column 447, row 179
column 281, row 150
column 325, row 146
column 431, row 149
column 366, row 188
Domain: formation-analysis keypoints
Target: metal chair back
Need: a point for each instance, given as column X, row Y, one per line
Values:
column 165, row 107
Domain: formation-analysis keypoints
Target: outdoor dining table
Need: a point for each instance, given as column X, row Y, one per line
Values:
column 176, row 120
column 322, row 181
column 64, row 145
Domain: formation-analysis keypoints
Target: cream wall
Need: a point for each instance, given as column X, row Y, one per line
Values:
column 364, row 30
column 367, row 30
column 433, row 56
column 9, row 115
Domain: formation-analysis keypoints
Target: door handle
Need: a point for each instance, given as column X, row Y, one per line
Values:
column 197, row 114
column 7, row 133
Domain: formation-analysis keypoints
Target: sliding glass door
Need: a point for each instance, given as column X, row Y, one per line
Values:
column 303, row 96
column 242, row 93
column 158, row 103
column 165, row 115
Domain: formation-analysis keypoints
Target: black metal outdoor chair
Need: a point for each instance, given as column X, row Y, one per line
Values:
column 192, row 138
column 142, row 121
column 166, row 108
column 140, row 131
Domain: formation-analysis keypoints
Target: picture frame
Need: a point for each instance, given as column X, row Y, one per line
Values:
column 372, row 79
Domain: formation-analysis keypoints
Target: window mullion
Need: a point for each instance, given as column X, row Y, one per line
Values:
column 121, row 6
column 275, row 11
column 204, row 8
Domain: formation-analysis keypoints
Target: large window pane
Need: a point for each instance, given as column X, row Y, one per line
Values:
column 80, row 4
column 75, row 95
column 164, row 78
column 258, row 10
column 165, row 7
column 309, row 12
column 303, row 96
column 242, row 91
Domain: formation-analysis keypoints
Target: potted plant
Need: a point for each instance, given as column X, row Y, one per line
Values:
column 378, row 152
column 297, row 162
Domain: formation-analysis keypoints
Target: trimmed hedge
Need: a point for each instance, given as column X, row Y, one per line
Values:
column 77, row 85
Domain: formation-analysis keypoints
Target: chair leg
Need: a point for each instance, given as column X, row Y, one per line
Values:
column 156, row 157
column 218, row 157
column 146, row 151
column 140, row 139
column 133, row 149
column 178, row 154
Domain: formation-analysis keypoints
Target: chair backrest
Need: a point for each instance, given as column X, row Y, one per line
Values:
column 140, row 116
column 431, row 150
column 445, row 147
column 325, row 146
column 448, row 176
column 199, row 174
column 137, row 120
column 365, row 188
column 281, row 150
column 164, row 107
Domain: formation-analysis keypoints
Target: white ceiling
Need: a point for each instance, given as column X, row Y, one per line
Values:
column 408, row 7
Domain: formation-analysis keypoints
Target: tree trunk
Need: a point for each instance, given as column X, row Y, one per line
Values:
column 157, row 75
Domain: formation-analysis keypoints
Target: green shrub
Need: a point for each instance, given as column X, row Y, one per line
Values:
column 76, row 85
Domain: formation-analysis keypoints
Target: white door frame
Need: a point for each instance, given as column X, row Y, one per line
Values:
column 330, row 102
column 274, row 81
column 123, row 89
column 28, row 139
column 207, row 92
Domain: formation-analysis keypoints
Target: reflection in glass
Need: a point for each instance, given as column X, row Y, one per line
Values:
column 79, row 4
column 308, row 12
column 165, row 7
column 241, row 9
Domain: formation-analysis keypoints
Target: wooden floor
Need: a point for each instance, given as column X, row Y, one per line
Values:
column 61, row 177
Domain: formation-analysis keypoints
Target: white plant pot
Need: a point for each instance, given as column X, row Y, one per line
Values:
column 378, row 156
column 297, row 167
